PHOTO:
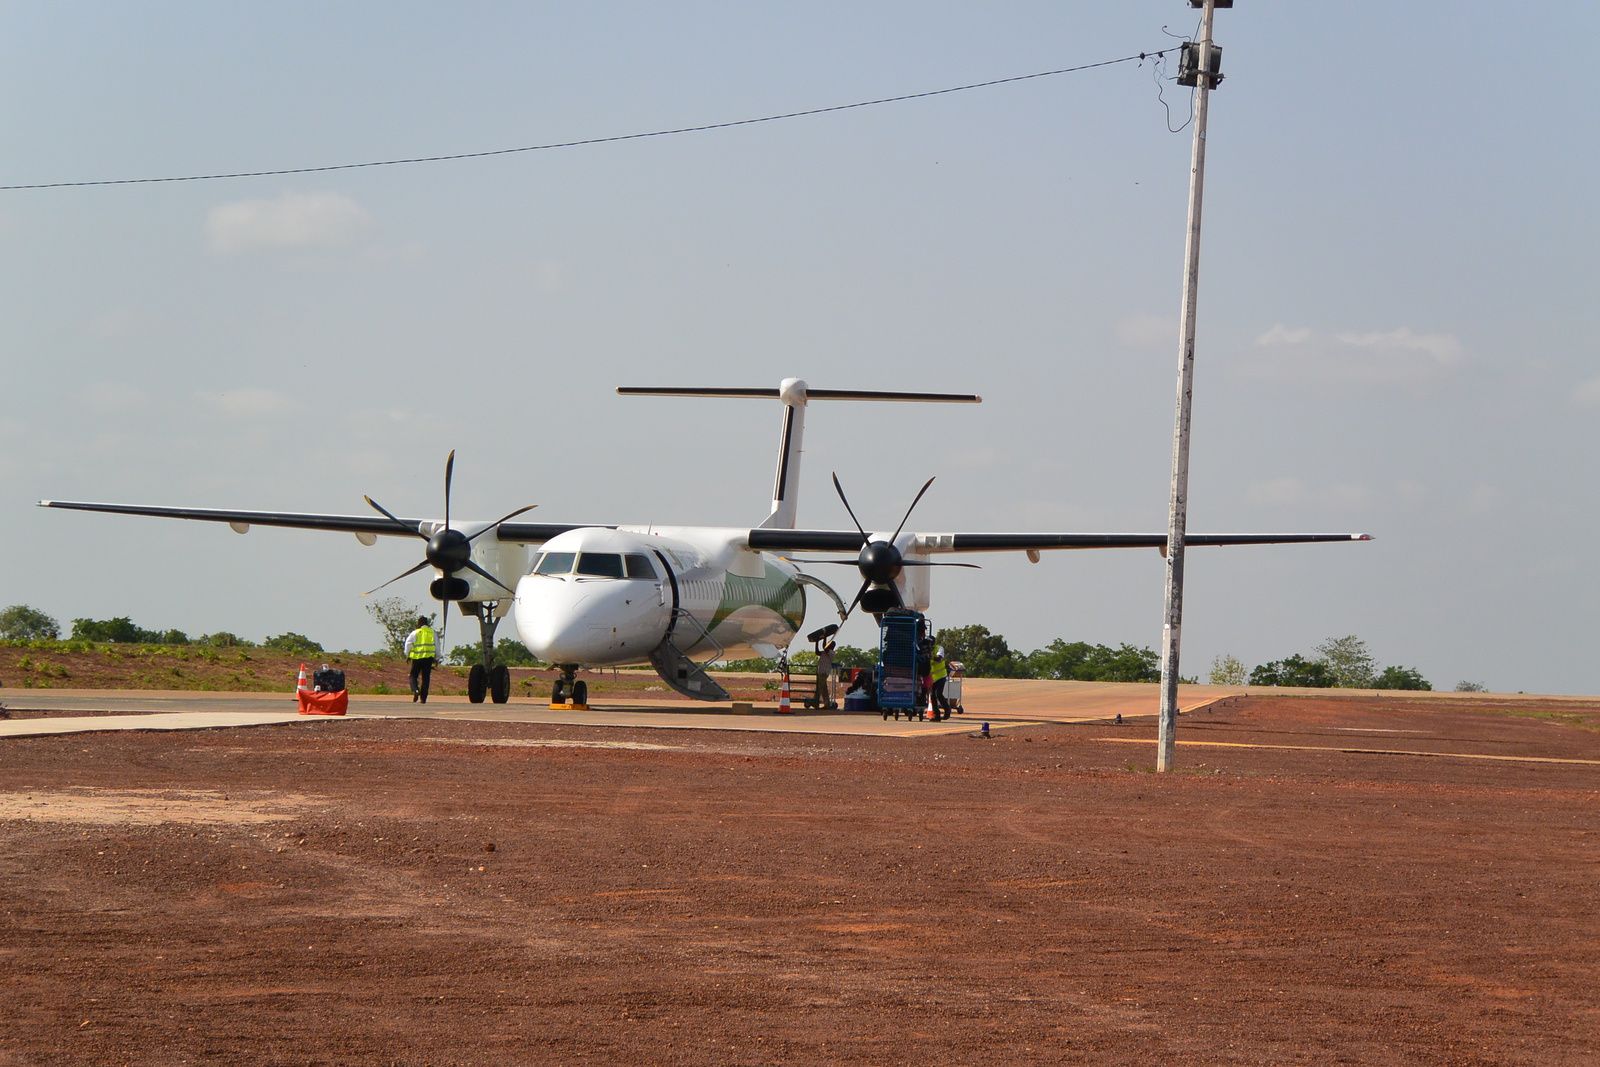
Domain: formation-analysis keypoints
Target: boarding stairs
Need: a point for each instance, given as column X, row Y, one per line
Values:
column 680, row 672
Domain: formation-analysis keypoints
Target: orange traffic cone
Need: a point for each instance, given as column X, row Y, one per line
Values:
column 783, row 696
column 301, row 684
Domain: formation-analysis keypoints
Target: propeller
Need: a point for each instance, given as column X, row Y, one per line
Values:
column 880, row 562
column 449, row 550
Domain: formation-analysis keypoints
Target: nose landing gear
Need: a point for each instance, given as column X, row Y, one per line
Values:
column 567, row 690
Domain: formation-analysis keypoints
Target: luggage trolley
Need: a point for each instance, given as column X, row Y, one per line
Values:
column 952, row 687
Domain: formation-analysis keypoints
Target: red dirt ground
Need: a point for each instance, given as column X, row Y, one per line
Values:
column 456, row 892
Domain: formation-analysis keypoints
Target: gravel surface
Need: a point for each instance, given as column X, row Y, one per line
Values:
column 451, row 892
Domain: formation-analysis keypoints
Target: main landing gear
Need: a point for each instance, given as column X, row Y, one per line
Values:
column 567, row 689
column 488, row 678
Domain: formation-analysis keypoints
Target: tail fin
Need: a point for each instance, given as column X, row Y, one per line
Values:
column 795, row 393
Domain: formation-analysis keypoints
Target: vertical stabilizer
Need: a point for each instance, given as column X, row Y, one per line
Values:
column 786, row 484
column 795, row 394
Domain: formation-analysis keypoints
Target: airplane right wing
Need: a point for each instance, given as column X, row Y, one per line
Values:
column 850, row 540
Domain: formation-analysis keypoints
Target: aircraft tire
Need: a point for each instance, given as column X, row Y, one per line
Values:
column 500, row 684
column 580, row 692
column 477, row 683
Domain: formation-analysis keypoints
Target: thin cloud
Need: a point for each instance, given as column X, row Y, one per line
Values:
column 109, row 398
column 1382, row 357
column 1442, row 348
column 1279, row 334
column 1285, row 492
column 1146, row 331
column 122, row 324
column 1587, row 395
column 1483, row 499
column 247, row 403
column 293, row 220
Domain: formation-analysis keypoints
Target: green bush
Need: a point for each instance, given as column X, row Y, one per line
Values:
column 22, row 623
column 293, row 643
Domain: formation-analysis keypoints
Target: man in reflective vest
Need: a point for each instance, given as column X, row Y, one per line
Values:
column 421, row 649
column 941, row 674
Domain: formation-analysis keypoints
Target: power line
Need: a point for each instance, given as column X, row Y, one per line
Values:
column 1139, row 57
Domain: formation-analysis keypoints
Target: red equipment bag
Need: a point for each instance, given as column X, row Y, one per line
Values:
column 313, row 703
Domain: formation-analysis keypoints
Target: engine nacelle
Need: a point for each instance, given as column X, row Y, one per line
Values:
column 450, row 589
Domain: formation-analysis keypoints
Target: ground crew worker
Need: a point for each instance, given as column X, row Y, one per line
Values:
column 941, row 673
column 421, row 649
column 824, row 691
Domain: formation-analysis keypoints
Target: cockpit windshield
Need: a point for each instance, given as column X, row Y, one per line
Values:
column 555, row 563
column 600, row 565
column 597, row 564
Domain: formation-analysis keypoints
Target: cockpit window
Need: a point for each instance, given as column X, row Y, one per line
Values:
column 600, row 565
column 639, row 565
column 555, row 563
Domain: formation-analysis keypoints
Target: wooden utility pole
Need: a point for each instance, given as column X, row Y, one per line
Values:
column 1203, row 64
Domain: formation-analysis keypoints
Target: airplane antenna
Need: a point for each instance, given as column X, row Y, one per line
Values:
column 1201, row 67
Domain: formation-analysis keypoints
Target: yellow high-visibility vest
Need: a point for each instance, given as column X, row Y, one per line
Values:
column 941, row 668
column 423, row 647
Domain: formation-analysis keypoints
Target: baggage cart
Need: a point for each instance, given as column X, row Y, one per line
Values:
column 952, row 687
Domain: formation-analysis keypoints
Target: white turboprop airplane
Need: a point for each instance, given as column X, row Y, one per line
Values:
column 677, row 597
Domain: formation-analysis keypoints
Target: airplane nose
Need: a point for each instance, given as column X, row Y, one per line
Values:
column 545, row 612
column 563, row 620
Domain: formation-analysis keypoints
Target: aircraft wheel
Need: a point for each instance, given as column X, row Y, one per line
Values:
column 477, row 683
column 500, row 684
column 557, row 692
column 580, row 692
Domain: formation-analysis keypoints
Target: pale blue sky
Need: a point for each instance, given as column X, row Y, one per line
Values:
column 1397, row 333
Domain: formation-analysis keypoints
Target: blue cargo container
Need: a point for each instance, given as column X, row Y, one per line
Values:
column 900, row 666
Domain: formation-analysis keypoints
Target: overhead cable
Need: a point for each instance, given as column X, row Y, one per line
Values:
column 704, row 128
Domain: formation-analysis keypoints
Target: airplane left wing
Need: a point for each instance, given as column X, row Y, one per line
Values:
column 365, row 527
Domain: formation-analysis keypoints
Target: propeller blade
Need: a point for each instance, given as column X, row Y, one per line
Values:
column 386, row 513
column 849, row 611
column 840, row 490
column 936, row 563
column 503, row 518
column 449, row 471
column 474, row 568
column 396, row 578
column 909, row 510
column 839, row 562
column 444, row 623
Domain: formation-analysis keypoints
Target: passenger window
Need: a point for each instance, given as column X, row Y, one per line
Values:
column 600, row 565
column 555, row 563
column 639, row 565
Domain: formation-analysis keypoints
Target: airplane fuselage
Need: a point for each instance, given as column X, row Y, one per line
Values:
column 601, row 597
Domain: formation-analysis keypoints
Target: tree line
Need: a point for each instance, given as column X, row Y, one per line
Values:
column 1339, row 662
column 22, row 623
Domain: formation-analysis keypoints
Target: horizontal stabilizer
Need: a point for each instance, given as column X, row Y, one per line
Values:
column 810, row 394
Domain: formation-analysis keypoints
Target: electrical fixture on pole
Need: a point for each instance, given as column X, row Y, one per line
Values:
column 1201, row 64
